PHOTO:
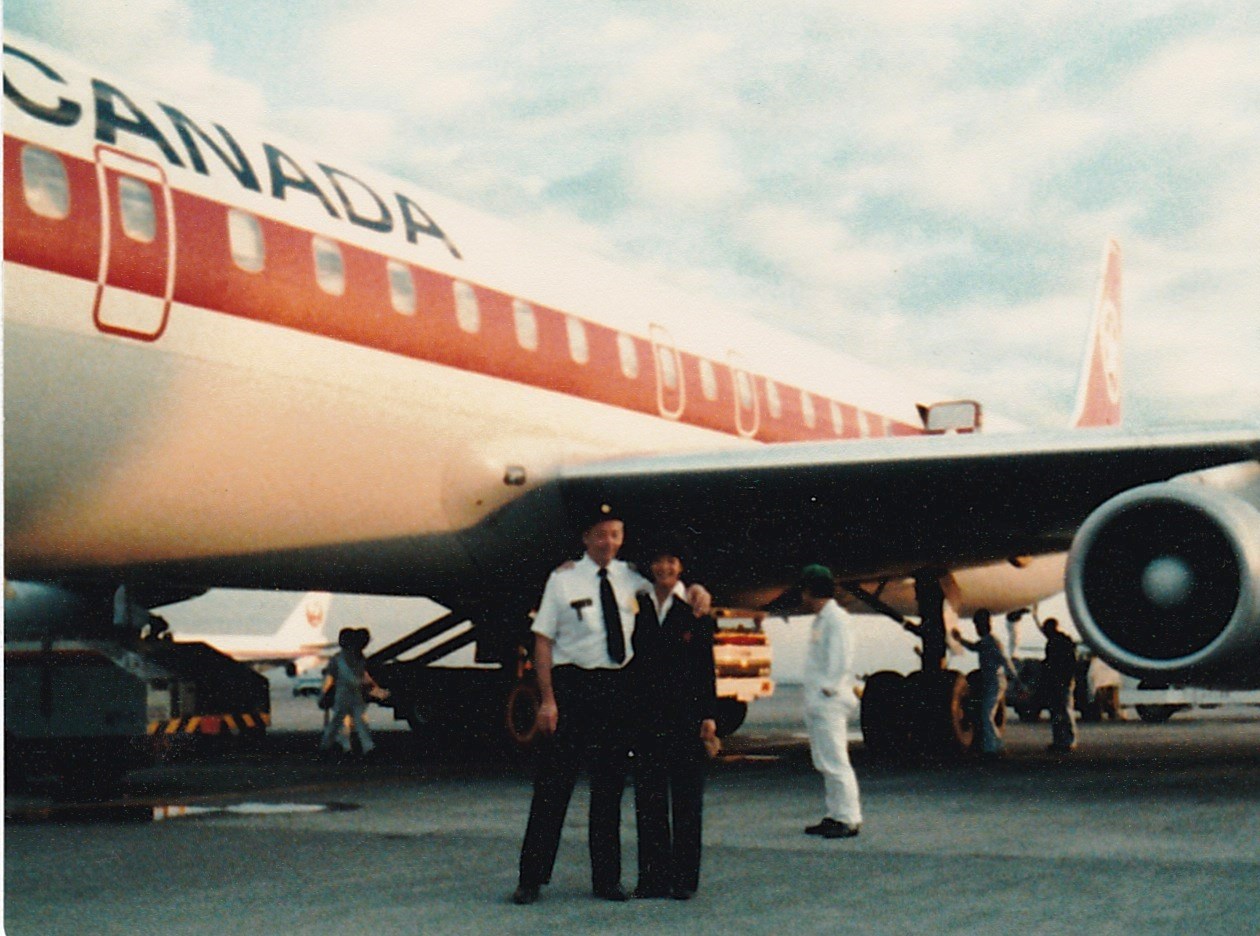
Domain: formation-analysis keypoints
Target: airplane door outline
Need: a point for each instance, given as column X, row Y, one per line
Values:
column 670, row 400
column 136, row 277
column 747, row 415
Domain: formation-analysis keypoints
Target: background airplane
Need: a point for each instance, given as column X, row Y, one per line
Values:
column 218, row 304
column 304, row 640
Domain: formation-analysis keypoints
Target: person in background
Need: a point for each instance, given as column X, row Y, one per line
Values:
column 675, row 702
column 830, row 699
column 347, row 679
column 1104, row 686
column 994, row 667
column 1058, row 676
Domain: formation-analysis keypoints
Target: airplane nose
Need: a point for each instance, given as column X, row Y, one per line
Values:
column 1167, row 581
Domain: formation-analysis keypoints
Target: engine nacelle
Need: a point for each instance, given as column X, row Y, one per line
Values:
column 1164, row 582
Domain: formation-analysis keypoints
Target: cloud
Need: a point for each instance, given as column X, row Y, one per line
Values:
column 147, row 41
column 686, row 170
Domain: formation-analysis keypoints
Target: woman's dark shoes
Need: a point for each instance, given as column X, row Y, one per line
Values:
column 525, row 894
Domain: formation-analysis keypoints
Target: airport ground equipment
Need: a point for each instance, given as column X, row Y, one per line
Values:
column 88, row 700
column 498, row 699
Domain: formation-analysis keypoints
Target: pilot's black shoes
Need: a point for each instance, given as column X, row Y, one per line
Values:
column 525, row 894
column 616, row 893
column 682, row 893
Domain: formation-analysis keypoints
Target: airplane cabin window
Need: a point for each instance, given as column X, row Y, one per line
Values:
column 135, row 203
column 708, row 380
column 579, row 350
column 44, row 183
column 629, row 355
column 330, row 271
column 807, row 409
column 837, row 418
column 402, row 289
column 774, row 404
column 526, row 325
column 246, row 241
column 467, row 311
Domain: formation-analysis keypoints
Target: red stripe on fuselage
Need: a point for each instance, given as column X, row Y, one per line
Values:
column 286, row 293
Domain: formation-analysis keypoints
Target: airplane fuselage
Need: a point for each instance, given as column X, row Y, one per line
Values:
column 219, row 348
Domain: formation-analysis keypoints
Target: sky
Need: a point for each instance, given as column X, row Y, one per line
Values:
column 927, row 185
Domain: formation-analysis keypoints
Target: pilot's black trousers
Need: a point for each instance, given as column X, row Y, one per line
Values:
column 594, row 710
column 669, row 769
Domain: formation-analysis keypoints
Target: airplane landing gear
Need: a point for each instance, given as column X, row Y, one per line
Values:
column 926, row 713
column 931, row 712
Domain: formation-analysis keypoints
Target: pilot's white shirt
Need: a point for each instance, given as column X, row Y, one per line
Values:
column 571, row 615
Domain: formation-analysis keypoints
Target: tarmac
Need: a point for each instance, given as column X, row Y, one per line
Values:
column 1145, row 829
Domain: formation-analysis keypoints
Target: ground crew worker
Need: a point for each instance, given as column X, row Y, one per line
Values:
column 830, row 699
column 1058, row 675
column 995, row 667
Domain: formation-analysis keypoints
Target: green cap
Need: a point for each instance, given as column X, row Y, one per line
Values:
column 813, row 575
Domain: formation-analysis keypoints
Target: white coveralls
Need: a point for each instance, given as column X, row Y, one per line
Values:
column 827, row 666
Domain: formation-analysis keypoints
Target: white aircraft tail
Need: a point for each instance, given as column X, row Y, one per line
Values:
column 1098, row 398
column 307, row 623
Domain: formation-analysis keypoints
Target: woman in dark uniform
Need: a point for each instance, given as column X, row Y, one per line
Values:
column 675, row 701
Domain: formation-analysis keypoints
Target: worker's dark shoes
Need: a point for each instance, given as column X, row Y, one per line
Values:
column 525, row 894
column 840, row 830
column 616, row 893
column 822, row 827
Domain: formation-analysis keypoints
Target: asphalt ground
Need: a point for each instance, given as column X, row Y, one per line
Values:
column 1146, row 829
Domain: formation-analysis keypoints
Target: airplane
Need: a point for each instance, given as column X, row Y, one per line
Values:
column 302, row 642
column 193, row 310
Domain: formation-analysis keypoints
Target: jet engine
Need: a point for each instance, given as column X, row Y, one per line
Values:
column 1164, row 581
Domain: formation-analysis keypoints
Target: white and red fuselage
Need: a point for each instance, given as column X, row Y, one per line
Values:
column 219, row 345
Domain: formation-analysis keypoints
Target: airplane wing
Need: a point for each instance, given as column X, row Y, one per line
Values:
column 884, row 507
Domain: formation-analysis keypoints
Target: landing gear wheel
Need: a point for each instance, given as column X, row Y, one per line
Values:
column 944, row 725
column 885, row 713
column 521, row 713
column 1157, row 714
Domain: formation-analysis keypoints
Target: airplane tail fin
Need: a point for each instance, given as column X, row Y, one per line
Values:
column 307, row 623
column 1098, row 398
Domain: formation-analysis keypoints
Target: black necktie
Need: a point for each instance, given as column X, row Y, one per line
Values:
column 612, row 619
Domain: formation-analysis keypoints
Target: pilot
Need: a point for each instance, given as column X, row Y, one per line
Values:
column 830, row 699
column 583, row 640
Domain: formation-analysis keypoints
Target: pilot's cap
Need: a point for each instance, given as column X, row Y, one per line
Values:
column 599, row 514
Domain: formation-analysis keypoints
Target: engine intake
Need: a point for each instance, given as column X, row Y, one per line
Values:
column 1164, row 582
